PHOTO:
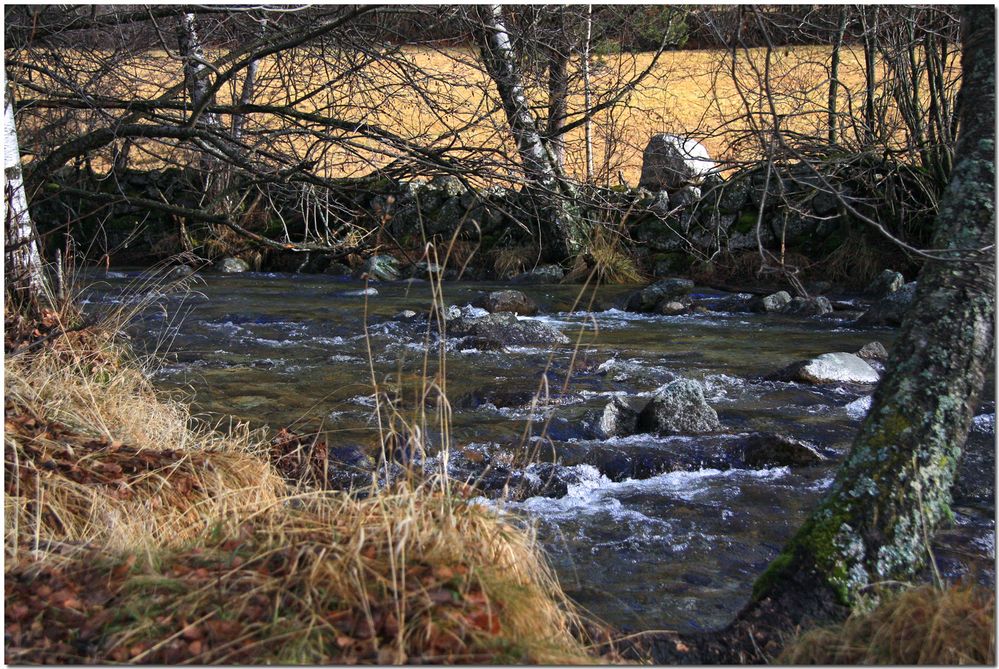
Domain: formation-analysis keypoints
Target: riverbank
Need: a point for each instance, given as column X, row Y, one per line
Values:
column 136, row 533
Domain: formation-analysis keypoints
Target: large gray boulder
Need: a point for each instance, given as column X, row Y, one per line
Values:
column 513, row 301
column 671, row 162
column 497, row 331
column 679, row 407
column 666, row 290
column 890, row 310
column 831, row 368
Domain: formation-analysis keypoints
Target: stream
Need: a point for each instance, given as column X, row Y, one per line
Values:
column 639, row 548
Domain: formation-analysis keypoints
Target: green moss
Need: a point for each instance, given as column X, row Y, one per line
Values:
column 746, row 222
column 773, row 574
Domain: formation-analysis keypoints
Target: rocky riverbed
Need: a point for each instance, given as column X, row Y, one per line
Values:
column 665, row 442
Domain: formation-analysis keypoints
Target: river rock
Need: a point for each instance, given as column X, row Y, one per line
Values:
column 348, row 467
column 890, row 310
column 448, row 185
column 873, row 351
column 382, row 267
column 671, row 308
column 230, row 265
column 501, row 330
column 807, row 306
column 772, row 303
column 179, row 272
column 540, row 274
column 619, row 419
column 666, row 290
column 670, row 162
column 679, row 407
column 884, row 284
column 513, row 301
column 764, row 449
column 626, row 371
column 830, row 368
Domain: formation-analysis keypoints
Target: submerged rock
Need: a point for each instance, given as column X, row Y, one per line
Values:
column 765, row 449
column 230, row 265
column 830, row 368
column 179, row 272
column 513, row 301
column 664, row 291
column 679, row 407
column 626, row 371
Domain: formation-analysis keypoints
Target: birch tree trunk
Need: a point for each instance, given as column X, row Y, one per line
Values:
column 24, row 274
column 588, row 124
column 249, row 86
column 558, row 88
column 562, row 230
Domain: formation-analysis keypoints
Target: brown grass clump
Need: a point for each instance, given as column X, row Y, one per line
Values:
column 407, row 576
column 607, row 257
column 922, row 625
column 92, row 454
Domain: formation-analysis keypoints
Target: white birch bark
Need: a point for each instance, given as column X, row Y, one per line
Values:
column 24, row 262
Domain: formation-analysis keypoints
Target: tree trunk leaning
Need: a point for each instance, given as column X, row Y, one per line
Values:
column 561, row 230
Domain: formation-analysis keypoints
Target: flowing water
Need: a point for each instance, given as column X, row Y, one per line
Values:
column 671, row 549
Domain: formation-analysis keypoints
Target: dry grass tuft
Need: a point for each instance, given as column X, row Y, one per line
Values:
column 922, row 625
column 512, row 260
column 407, row 576
column 94, row 455
column 606, row 256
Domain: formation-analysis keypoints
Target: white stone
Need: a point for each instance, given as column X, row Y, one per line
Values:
column 838, row 368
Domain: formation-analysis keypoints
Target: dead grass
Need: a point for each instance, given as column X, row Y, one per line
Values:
column 92, row 454
column 135, row 534
column 404, row 576
column 607, row 257
column 921, row 625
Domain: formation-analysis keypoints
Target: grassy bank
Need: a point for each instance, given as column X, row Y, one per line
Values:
column 134, row 533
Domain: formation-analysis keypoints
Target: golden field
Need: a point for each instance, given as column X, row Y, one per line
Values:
column 442, row 98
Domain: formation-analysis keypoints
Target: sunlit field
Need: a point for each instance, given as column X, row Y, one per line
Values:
column 441, row 98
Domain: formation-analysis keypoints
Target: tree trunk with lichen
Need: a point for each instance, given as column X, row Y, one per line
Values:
column 561, row 228
column 893, row 490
